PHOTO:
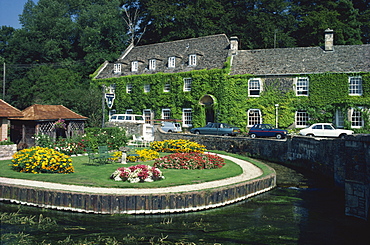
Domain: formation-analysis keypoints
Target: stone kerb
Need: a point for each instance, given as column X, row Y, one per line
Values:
column 7, row 151
column 185, row 198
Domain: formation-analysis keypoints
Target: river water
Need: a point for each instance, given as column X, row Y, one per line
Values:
column 303, row 209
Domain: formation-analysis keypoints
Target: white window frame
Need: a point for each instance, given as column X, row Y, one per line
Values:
column 187, row 117
column 134, row 66
column 129, row 111
column 166, row 113
column 356, row 117
column 129, row 88
column 152, row 64
column 252, row 88
column 355, row 86
column 172, row 62
column 302, row 86
column 148, row 116
column 167, row 87
column 187, row 84
column 254, row 117
column 192, row 60
column 117, row 68
column 339, row 119
column 146, row 88
column 301, row 119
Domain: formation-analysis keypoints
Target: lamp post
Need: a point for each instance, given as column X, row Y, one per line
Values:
column 276, row 115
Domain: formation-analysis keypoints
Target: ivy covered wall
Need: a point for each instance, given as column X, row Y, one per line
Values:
column 327, row 93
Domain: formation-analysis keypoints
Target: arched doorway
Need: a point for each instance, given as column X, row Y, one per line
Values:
column 208, row 102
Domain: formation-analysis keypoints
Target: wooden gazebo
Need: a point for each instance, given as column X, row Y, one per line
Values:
column 42, row 119
column 7, row 111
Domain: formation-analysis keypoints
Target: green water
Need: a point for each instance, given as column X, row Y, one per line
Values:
column 282, row 216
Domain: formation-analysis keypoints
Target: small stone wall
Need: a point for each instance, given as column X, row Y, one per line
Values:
column 7, row 151
column 136, row 204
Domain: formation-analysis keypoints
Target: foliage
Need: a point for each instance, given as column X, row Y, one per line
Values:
column 192, row 160
column 69, row 146
column 143, row 155
column 179, row 145
column 6, row 142
column 137, row 173
column 114, row 137
column 41, row 160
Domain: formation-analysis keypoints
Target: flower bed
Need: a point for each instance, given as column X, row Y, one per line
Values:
column 41, row 160
column 137, row 173
column 179, row 145
column 143, row 155
column 191, row 160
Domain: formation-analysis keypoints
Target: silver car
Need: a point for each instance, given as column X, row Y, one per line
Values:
column 324, row 130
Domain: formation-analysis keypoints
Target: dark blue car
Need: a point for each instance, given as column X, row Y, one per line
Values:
column 266, row 130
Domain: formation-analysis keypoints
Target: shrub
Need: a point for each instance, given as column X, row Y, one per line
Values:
column 114, row 137
column 68, row 146
column 191, row 160
column 137, row 173
column 6, row 142
column 143, row 155
column 41, row 160
column 179, row 145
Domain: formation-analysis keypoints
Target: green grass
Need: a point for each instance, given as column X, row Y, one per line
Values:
column 98, row 175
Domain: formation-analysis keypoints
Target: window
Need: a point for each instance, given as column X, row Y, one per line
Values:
column 167, row 87
column 339, row 119
column 301, row 119
column 187, row 84
column 171, row 62
column 117, row 68
column 146, row 88
column 192, row 60
column 356, row 118
column 254, row 87
column 166, row 113
column 254, row 117
column 129, row 111
column 148, row 116
column 129, row 88
column 152, row 64
column 355, row 86
column 186, row 117
column 302, row 85
column 134, row 66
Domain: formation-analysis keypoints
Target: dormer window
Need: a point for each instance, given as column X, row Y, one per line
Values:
column 134, row 66
column 171, row 62
column 152, row 64
column 192, row 60
column 117, row 68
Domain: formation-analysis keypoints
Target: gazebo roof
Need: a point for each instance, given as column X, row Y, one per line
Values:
column 49, row 112
column 7, row 110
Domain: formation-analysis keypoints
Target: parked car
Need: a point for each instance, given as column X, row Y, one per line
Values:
column 267, row 130
column 130, row 118
column 216, row 129
column 324, row 130
column 171, row 127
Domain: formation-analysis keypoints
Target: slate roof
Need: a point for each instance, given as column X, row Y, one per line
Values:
column 302, row 60
column 49, row 112
column 212, row 52
column 7, row 110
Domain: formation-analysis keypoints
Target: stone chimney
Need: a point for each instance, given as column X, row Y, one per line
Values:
column 329, row 40
column 234, row 43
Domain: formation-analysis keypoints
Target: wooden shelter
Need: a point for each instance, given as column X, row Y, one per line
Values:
column 7, row 111
column 52, row 120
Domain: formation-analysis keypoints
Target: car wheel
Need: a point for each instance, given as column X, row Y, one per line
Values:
column 310, row 135
column 170, row 131
column 342, row 136
column 196, row 132
column 253, row 136
column 279, row 136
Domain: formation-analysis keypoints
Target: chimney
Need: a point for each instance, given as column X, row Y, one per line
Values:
column 329, row 40
column 234, row 43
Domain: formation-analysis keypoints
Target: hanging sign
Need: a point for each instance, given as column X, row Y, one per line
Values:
column 109, row 98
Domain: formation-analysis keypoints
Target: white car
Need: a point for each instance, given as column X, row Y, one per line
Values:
column 171, row 127
column 324, row 130
column 128, row 118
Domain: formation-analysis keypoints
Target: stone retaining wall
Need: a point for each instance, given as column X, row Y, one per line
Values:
column 136, row 204
column 7, row 150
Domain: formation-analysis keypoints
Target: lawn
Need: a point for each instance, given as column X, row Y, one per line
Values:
column 98, row 175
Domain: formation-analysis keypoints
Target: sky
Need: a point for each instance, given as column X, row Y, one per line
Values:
column 10, row 11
